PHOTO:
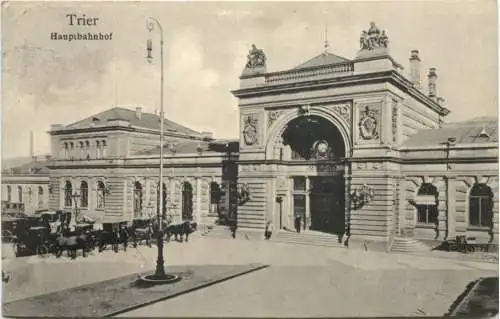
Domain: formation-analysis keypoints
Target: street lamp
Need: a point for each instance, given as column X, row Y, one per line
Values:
column 160, row 276
column 76, row 197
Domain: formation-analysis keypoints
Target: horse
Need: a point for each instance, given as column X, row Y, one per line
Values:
column 185, row 228
column 72, row 242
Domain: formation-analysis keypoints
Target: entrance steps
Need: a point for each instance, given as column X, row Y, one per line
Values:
column 217, row 231
column 408, row 245
column 312, row 238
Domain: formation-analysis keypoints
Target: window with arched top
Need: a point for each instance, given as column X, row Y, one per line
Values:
column 66, row 150
column 427, row 204
column 104, row 149
column 68, row 189
column 481, row 206
column 40, row 197
column 187, row 201
column 71, row 150
column 87, row 149
column 9, row 194
column 20, row 194
column 82, row 150
column 84, row 194
column 98, row 149
column 101, row 195
column 30, row 195
column 137, row 198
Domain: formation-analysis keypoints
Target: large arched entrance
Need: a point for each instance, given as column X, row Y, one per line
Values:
column 313, row 150
column 187, row 201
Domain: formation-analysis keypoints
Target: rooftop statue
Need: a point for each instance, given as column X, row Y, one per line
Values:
column 255, row 58
column 373, row 38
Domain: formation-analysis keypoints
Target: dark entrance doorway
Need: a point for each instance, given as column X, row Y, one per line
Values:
column 187, row 201
column 327, row 204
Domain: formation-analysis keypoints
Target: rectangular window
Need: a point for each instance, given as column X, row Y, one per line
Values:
column 299, row 184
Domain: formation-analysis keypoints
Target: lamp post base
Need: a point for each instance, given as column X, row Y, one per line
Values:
column 154, row 279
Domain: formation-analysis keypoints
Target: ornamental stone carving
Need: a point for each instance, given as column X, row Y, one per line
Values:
column 250, row 129
column 369, row 123
column 394, row 122
column 255, row 58
column 273, row 116
column 344, row 110
column 373, row 38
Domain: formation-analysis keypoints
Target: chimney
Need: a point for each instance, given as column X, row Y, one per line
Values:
column 32, row 151
column 415, row 69
column 138, row 112
column 432, row 83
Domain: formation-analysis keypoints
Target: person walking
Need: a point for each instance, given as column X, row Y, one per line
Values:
column 297, row 223
column 269, row 230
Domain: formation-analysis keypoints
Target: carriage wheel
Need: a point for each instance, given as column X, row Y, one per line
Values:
column 42, row 250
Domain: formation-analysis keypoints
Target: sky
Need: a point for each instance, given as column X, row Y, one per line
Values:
column 48, row 82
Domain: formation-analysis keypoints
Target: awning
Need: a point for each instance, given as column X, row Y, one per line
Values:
column 425, row 200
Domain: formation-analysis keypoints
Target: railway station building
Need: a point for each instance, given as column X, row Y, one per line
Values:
column 359, row 147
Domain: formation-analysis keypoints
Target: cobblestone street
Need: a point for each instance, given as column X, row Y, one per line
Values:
column 302, row 280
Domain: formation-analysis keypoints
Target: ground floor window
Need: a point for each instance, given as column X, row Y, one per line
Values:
column 427, row 204
column 481, row 206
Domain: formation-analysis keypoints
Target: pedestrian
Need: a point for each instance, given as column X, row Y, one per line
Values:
column 297, row 223
column 269, row 230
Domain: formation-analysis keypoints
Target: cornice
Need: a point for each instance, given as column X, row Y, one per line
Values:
column 391, row 76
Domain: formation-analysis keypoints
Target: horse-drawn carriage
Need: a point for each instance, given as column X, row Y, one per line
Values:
column 113, row 234
column 142, row 230
column 31, row 236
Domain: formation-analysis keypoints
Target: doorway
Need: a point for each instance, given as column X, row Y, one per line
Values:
column 187, row 201
column 327, row 204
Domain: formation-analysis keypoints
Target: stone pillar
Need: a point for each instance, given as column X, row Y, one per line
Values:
column 442, row 208
column 451, row 209
column 197, row 193
column 307, row 221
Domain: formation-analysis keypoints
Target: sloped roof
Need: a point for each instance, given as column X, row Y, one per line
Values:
column 467, row 132
column 146, row 120
column 324, row 58
column 190, row 147
column 38, row 167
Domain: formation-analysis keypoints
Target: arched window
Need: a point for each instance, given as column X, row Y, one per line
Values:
column 427, row 204
column 72, row 150
column 164, row 209
column 187, row 201
column 40, row 197
column 20, row 194
column 215, row 195
column 87, row 149
column 137, row 198
column 66, row 150
column 68, row 189
column 101, row 193
column 82, row 150
column 103, row 143
column 481, row 206
column 98, row 149
column 84, row 191
column 9, row 194
column 30, row 195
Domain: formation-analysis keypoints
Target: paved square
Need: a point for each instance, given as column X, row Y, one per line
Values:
column 301, row 280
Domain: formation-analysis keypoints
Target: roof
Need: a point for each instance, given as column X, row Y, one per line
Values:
column 467, row 132
column 190, row 147
column 324, row 58
column 146, row 120
column 37, row 167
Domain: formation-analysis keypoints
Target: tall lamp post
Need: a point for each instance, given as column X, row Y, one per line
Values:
column 159, row 276
column 76, row 197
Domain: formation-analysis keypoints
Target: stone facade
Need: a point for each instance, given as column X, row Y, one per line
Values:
column 349, row 146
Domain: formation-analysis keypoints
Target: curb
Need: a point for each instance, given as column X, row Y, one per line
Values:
column 128, row 309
